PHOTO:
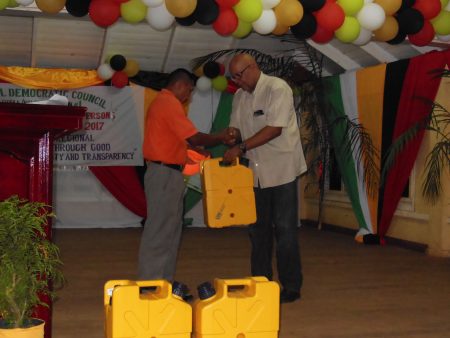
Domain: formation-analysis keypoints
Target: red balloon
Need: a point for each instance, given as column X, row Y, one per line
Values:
column 428, row 8
column 104, row 12
column 322, row 35
column 119, row 79
column 424, row 36
column 331, row 16
column 222, row 68
column 226, row 23
column 231, row 87
column 227, row 3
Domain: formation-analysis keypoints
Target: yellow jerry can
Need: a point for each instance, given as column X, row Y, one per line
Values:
column 228, row 197
column 237, row 308
column 157, row 313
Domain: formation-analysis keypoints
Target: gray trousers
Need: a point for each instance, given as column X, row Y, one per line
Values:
column 164, row 190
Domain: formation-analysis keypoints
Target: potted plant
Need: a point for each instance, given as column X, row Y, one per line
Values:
column 28, row 260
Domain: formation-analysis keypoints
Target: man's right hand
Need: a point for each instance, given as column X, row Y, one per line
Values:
column 231, row 136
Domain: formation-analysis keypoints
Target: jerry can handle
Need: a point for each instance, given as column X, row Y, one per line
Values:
column 159, row 283
column 228, row 164
column 223, row 284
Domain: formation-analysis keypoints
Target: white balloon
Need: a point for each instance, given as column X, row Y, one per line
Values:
column 445, row 38
column 266, row 23
column 153, row 3
column 269, row 4
column 24, row 2
column 203, row 83
column 368, row 1
column 159, row 17
column 371, row 16
column 105, row 72
column 363, row 38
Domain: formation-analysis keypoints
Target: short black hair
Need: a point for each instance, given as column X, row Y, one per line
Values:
column 181, row 74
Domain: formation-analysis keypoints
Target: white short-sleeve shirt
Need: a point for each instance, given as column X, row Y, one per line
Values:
column 280, row 160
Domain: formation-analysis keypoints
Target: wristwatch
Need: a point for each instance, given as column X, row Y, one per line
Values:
column 243, row 147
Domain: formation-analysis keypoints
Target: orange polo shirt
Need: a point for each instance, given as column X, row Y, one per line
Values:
column 166, row 130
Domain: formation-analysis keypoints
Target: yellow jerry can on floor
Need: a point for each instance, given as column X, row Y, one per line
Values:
column 228, row 197
column 156, row 313
column 237, row 308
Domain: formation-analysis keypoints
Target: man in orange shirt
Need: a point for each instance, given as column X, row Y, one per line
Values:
column 168, row 133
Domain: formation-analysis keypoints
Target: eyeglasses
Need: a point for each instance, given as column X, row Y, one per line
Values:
column 238, row 75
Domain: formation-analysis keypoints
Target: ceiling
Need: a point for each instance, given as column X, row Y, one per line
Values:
column 31, row 38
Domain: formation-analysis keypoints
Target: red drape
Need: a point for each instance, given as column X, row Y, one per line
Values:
column 420, row 85
column 123, row 183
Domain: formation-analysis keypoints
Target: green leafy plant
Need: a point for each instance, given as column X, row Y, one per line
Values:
column 28, row 260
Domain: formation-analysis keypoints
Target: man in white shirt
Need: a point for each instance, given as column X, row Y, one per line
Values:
column 264, row 123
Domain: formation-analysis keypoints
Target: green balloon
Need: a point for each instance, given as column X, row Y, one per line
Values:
column 133, row 11
column 243, row 29
column 248, row 10
column 13, row 3
column 3, row 4
column 349, row 31
column 351, row 7
column 219, row 83
column 441, row 23
column 444, row 3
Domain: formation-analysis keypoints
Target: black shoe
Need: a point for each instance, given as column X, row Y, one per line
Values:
column 289, row 296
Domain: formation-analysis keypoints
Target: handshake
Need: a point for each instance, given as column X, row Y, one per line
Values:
column 230, row 136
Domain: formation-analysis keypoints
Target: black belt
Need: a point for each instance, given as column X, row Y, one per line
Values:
column 178, row 167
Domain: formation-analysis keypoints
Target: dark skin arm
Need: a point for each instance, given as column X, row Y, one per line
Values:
column 261, row 137
column 208, row 140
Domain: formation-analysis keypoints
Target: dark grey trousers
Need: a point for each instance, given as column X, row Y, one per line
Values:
column 164, row 190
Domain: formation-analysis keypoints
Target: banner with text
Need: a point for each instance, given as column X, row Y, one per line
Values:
column 112, row 133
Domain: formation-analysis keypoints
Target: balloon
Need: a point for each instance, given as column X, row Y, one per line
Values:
column 441, row 23
column 119, row 79
column 12, row 4
column 371, row 16
column 132, row 68
column 444, row 3
column 219, row 83
column 269, row 4
column 187, row 21
column 428, row 8
column 181, row 8
column 3, row 4
column 133, row 11
column 410, row 21
column 78, row 8
column 24, row 2
column 388, row 30
column 231, row 87
column 266, row 22
column 222, row 68
column 105, row 72
column 445, row 38
column 159, row 17
column 424, row 36
column 206, row 12
column 104, row 12
column 243, row 29
column 322, row 35
column 312, row 5
column 50, row 6
column 399, row 38
column 363, row 38
column 331, row 16
column 153, row 3
column 390, row 7
column 118, row 62
column 280, row 29
column 203, row 83
column 289, row 12
column 351, row 7
column 211, row 69
column 226, row 23
column 249, row 10
column 349, row 30
column 199, row 71
column 227, row 3
column 305, row 28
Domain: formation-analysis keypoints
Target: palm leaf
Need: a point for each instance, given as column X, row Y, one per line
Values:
column 436, row 161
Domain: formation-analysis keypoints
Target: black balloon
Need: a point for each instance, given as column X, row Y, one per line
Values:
column 206, row 11
column 305, row 28
column 118, row 62
column 399, row 38
column 312, row 5
column 407, row 4
column 410, row 21
column 211, row 69
column 78, row 8
column 187, row 21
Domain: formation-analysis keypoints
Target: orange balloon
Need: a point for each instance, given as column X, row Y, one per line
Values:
column 388, row 31
column 288, row 12
column 199, row 71
column 51, row 6
column 181, row 8
column 390, row 6
column 280, row 29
